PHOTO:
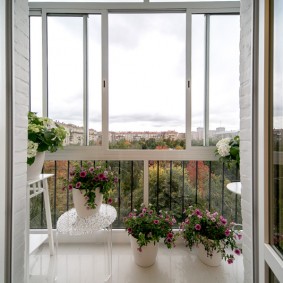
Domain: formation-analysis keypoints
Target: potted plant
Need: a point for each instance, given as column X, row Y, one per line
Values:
column 229, row 151
column 146, row 227
column 211, row 234
column 43, row 135
column 90, row 184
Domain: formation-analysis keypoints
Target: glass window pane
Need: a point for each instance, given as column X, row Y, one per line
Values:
column 36, row 65
column 94, row 79
column 147, row 80
column 65, row 74
column 198, row 76
column 224, row 110
column 277, row 87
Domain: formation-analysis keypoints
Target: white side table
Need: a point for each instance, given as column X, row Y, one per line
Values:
column 235, row 187
column 71, row 224
column 34, row 188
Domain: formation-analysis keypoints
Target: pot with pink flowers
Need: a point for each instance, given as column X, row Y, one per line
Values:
column 214, row 238
column 146, row 228
column 91, row 185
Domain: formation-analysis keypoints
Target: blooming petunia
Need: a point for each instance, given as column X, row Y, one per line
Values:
column 237, row 251
column 156, row 221
column 198, row 227
column 78, row 185
column 223, row 220
column 83, row 174
column 227, row 232
column 230, row 260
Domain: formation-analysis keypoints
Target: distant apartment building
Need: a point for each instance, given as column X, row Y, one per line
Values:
column 76, row 135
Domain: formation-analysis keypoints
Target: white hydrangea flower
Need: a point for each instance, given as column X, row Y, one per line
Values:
column 32, row 149
column 223, row 147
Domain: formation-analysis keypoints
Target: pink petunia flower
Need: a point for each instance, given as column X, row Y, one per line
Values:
column 78, row 185
column 230, row 260
column 156, row 221
column 91, row 169
column 197, row 212
column 170, row 235
column 223, row 220
column 227, row 232
column 237, row 252
column 198, row 227
column 83, row 174
column 70, row 187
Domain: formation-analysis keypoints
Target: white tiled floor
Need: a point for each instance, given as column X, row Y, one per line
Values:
column 83, row 263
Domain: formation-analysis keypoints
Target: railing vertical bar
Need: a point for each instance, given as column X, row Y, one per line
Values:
column 119, row 192
column 157, row 186
column 68, row 192
column 170, row 186
column 223, row 179
column 132, row 183
column 209, row 186
column 55, row 195
column 196, row 181
column 183, row 187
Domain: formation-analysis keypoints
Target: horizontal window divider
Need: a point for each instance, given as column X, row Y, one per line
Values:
column 97, row 153
column 196, row 7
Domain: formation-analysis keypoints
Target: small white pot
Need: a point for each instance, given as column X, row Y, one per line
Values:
column 34, row 170
column 215, row 260
column 147, row 256
column 79, row 202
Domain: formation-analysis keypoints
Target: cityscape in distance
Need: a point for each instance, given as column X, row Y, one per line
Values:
column 76, row 135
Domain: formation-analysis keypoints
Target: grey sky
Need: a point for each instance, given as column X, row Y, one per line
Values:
column 146, row 73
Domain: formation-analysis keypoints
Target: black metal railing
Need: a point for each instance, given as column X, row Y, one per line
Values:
column 172, row 185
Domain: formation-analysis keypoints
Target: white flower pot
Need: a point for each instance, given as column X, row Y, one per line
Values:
column 215, row 260
column 147, row 256
column 34, row 170
column 79, row 202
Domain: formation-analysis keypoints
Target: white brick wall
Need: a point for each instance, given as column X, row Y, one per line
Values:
column 20, row 105
column 246, row 133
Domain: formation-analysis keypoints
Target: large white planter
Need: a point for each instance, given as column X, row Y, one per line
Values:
column 79, row 202
column 147, row 256
column 34, row 170
column 215, row 260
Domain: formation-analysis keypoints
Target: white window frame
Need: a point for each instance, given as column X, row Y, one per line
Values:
column 103, row 152
column 268, row 257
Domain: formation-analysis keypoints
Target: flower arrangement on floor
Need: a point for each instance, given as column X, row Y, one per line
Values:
column 229, row 151
column 43, row 135
column 210, row 229
column 87, row 178
column 146, row 226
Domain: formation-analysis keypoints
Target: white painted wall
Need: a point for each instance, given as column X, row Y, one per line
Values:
column 20, row 109
column 3, row 138
column 246, row 133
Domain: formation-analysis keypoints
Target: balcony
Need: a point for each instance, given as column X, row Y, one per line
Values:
column 171, row 185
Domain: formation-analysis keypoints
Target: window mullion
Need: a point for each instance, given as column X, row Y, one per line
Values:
column 85, row 80
column 105, row 106
column 44, row 65
column 188, row 79
column 206, row 80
